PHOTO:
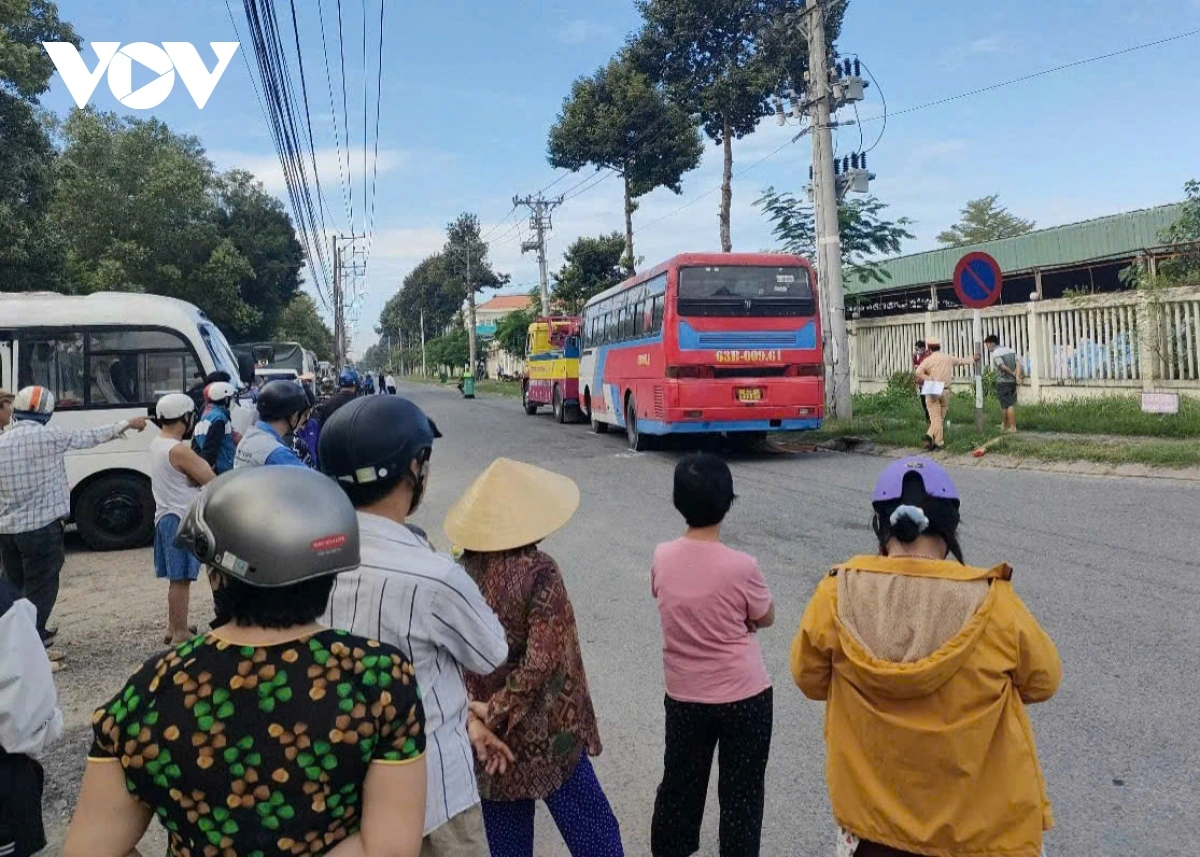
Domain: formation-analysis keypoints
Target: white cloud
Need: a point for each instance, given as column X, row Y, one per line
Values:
column 267, row 169
column 940, row 148
column 582, row 30
column 997, row 43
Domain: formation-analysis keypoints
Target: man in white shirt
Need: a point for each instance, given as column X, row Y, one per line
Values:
column 406, row 594
column 35, row 496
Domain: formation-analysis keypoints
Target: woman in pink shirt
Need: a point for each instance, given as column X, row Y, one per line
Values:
column 711, row 600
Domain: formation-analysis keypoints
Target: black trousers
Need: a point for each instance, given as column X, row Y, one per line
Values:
column 924, row 407
column 32, row 562
column 741, row 733
column 21, row 783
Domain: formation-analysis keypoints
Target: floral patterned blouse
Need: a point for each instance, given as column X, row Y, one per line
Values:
column 257, row 751
column 538, row 702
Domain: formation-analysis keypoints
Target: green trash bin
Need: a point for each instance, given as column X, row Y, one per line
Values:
column 468, row 387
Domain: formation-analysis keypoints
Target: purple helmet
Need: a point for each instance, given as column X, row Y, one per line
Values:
column 890, row 484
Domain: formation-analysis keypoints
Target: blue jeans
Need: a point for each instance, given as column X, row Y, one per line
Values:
column 579, row 808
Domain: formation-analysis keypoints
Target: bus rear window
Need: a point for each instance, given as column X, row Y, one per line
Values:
column 738, row 290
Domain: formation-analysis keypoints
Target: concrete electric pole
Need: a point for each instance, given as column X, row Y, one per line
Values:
column 540, row 223
column 825, row 202
column 424, row 365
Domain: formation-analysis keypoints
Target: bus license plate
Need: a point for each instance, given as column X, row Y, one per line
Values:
column 749, row 394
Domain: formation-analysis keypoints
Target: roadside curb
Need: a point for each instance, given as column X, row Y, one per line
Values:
column 994, row 461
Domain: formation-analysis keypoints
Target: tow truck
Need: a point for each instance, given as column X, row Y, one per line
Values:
column 552, row 367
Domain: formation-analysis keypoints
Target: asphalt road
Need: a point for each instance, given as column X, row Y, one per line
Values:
column 1110, row 567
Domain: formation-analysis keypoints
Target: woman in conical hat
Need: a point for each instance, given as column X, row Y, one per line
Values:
column 538, row 703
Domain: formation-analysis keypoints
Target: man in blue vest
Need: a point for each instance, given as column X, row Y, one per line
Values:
column 282, row 408
column 213, row 439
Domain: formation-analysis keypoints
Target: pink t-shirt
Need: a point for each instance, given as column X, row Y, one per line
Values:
column 706, row 592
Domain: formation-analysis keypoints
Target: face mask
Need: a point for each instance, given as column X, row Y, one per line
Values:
column 419, row 489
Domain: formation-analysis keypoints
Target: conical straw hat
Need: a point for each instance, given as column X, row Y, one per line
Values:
column 510, row 505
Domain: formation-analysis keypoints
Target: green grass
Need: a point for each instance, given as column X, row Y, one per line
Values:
column 1065, row 431
column 511, row 389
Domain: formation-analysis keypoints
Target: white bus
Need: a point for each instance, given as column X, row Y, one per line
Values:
column 107, row 357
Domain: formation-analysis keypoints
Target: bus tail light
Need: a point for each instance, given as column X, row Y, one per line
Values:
column 693, row 415
column 689, row 372
column 806, row 412
column 805, row 370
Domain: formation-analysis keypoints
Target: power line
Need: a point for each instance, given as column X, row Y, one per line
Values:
column 942, row 101
column 337, row 134
column 345, row 110
column 378, row 110
column 366, row 115
column 882, row 98
column 1043, row 73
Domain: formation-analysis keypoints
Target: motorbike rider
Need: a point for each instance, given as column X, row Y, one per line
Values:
column 347, row 392
column 214, row 438
column 282, row 406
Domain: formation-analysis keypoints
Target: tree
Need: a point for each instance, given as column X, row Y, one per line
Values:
column 32, row 254
column 134, row 201
column 982, row 220
column 25, row 67
column 451, row 350
column 262, row 232
column 618, row 119
column 430, row 288
column 512, row 330
column 301, row 322
column 592, row 265
column 866, row 234
column 467, row 256
column 722, row 60
column 1184, row 268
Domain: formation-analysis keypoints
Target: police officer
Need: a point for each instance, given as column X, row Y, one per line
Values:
column 281, row 409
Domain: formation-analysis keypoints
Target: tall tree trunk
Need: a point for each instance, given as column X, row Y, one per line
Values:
column 727, row 187
column 629, row 206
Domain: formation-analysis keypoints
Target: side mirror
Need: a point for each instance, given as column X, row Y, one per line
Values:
column 246, row 369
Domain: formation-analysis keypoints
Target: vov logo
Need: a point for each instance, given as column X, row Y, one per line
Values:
column 118, row 61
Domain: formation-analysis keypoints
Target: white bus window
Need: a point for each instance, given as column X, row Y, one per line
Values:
column 54, row 361
column 134, row 367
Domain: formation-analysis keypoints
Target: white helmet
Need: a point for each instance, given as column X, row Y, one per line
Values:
column 34, row 403
column 174, row 406
column 219, row 391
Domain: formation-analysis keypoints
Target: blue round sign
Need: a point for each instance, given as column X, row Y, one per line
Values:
column 977, row 280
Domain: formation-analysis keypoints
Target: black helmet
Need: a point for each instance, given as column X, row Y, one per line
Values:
column 313, row 530
column 278, row 400
column 374, row 438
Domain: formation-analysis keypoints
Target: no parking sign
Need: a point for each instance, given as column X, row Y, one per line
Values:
column 977, row 280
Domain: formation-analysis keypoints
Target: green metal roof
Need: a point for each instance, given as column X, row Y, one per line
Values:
column 1116, row 235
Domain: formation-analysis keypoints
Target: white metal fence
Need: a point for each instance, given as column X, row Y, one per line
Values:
column 1127, row 340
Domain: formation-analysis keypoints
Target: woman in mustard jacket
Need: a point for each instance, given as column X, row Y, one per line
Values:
column 926, row 666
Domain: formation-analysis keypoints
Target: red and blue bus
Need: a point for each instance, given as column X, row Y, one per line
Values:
column 705, row 343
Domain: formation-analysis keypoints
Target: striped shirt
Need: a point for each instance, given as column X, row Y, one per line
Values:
column 405, row 594
column 34, row 490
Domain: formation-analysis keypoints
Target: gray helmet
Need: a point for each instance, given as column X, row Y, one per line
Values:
column 272, row 526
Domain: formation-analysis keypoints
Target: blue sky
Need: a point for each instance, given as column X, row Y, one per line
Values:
column 471, row 88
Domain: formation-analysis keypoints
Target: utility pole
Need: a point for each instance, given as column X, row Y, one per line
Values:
column 539, row 223
column 825, row 201
column 340, row 269
column 424, row 366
